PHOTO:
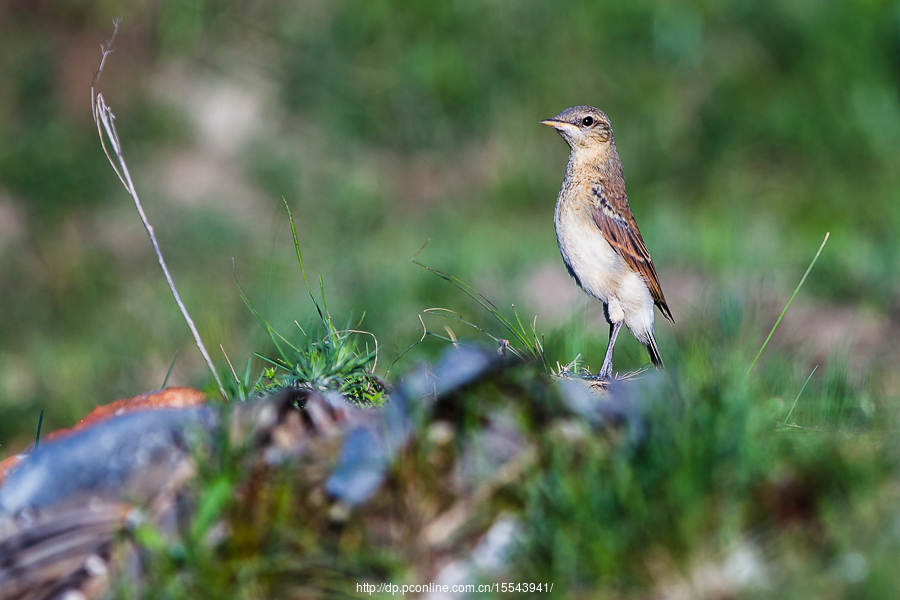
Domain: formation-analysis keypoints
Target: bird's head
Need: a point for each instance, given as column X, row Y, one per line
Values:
column 583, row 127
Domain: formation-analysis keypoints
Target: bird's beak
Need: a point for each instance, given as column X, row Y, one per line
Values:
column 559, row 125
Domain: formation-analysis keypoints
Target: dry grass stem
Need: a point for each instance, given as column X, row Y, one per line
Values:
column 105, row 120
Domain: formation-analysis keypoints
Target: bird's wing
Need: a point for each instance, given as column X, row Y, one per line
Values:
column 613, row 216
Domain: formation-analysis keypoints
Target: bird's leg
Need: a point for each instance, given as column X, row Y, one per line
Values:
column 606, row 369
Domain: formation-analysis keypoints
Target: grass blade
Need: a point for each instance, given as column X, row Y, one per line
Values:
column 803, row 387
column 519, row 333
column 411, row 346
column 169, row 372
column 781, row 316
column 300, row 258
column 37, row 438
column 259, row 318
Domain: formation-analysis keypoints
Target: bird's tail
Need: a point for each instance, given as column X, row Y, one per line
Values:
column 653, row 349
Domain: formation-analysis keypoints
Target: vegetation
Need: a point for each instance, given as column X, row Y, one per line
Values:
column 746, row 131
column 333, row 361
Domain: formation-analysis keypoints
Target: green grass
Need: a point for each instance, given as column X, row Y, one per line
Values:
column 709, row 468
column 531, row 345
column 745, row 131
column 786, row 306
column 380, row 138
column 706, row 472
column 327, row 358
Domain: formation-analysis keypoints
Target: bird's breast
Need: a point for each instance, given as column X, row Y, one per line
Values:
column 588, row 256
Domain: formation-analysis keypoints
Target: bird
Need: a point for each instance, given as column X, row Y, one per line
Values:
column 598, row 237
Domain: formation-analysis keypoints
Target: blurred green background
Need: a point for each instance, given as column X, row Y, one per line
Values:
column 747, row 130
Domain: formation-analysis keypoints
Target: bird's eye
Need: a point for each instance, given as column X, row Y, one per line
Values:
column 587, row 121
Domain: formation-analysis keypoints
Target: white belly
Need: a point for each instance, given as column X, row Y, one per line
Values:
column 601, row 272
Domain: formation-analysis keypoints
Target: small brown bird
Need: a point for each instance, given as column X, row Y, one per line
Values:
column 598, row 236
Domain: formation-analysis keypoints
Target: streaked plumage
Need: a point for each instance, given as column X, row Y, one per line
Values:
column 598, row 237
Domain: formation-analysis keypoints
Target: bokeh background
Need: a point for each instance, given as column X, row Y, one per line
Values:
column 747, row 131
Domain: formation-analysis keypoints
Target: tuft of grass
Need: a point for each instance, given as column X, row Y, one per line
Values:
column 327, row 358
column 242, row 388
column 531, row 344
column 691, row 481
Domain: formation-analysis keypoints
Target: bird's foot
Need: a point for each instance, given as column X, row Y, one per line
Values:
column 603, row 376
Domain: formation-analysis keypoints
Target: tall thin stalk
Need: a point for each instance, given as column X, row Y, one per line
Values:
column 786, row 306
column 105, row 120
